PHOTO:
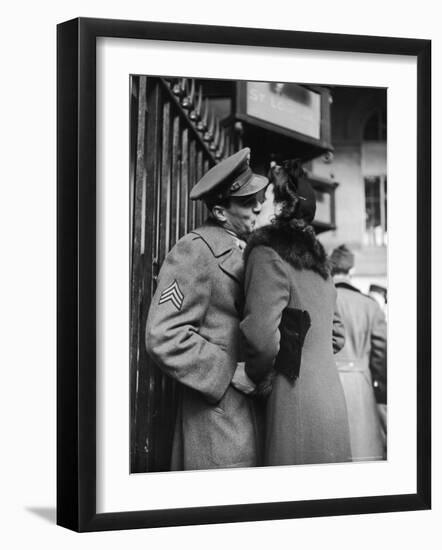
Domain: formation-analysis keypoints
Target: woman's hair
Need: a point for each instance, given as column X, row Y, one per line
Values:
column 294, row 192
column 285, row 181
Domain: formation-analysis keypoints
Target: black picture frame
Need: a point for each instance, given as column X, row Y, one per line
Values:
column 76, row 273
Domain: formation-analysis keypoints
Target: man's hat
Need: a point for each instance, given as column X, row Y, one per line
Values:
column 342, row 259
column 232, row 177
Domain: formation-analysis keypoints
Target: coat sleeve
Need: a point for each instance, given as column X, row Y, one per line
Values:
column 378, row 354
column 176, row 314
column 267, row 293
column 338, row 333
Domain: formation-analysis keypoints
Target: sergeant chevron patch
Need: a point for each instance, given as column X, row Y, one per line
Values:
column 172, row 294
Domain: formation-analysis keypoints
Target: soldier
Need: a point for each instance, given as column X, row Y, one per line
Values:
column 192, row 330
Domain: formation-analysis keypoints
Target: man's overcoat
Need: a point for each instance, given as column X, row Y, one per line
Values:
column 192, row 334
column 362, row 359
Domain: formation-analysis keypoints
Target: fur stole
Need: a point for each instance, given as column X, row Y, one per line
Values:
column 295, row 242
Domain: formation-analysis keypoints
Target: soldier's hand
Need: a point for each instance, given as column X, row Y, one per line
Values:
column 264, row 388
column 241, row 381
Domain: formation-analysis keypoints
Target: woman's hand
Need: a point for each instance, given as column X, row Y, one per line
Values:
column 241, row 381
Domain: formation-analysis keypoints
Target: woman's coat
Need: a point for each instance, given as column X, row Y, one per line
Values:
column 306, row 420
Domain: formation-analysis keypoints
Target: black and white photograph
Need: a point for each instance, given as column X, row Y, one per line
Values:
column 258, row 273
column 220, row 247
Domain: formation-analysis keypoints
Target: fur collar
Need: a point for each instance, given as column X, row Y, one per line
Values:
column 295, row 242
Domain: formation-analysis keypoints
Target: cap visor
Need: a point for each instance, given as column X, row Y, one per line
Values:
column 255, row 184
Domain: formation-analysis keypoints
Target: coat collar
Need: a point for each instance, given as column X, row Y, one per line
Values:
column 233, row 264
column 348, row 286
column 295, row 242
column 224, row 248
column 216, row 238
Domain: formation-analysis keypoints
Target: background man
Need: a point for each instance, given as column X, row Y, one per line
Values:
column 379, row 293
column 362, row 360
column 192, row 330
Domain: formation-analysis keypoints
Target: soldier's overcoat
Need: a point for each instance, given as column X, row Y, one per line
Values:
column 192, row 334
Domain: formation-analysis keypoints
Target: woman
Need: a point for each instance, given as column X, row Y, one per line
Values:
column 288, row 329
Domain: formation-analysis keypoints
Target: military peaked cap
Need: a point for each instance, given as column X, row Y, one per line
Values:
column 232, row 177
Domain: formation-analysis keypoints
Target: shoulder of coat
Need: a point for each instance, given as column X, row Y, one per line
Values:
column 217, row 239
column 266, row 258
column 190, row 248
column 357, row 296
column 263, row 252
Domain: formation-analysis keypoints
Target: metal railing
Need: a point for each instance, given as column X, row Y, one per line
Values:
column 175, row 139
